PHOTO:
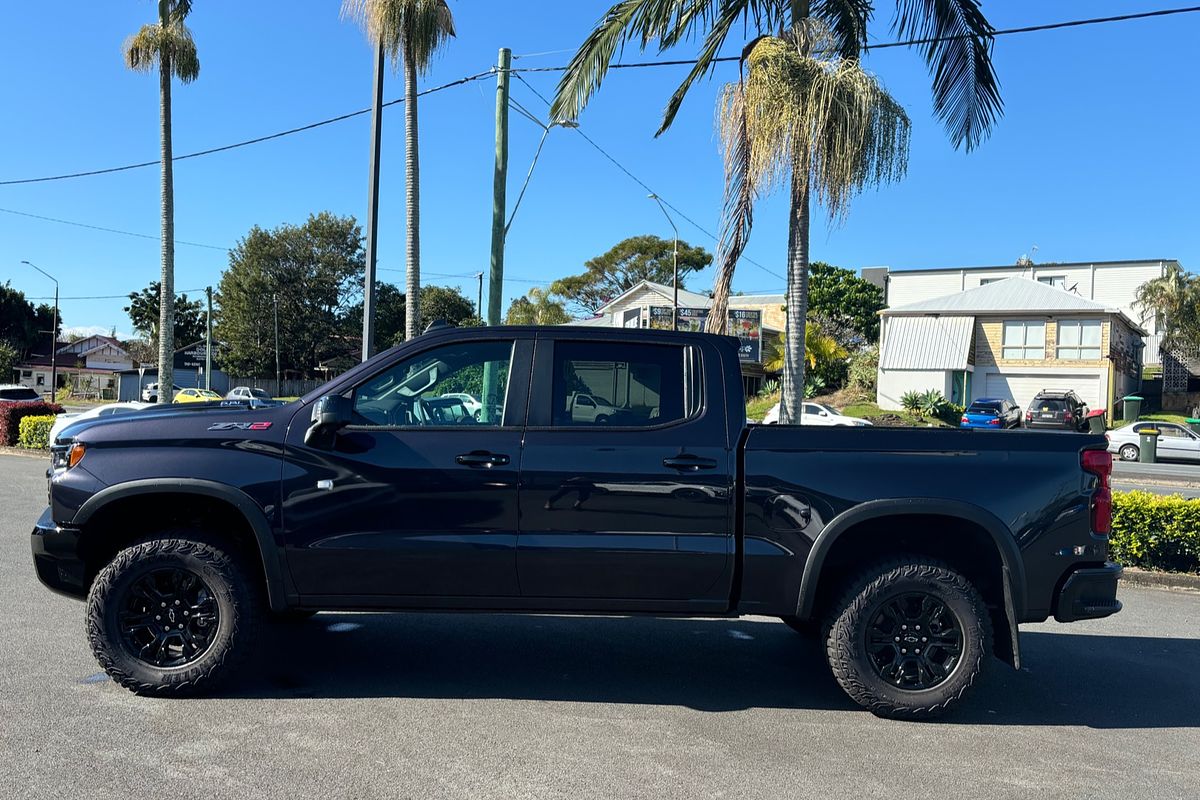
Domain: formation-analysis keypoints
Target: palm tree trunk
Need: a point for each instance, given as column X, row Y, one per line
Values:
column 166, row 319
column 797, row 299
column 412, row 178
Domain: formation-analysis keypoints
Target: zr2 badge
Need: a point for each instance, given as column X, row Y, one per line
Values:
column 239, row 426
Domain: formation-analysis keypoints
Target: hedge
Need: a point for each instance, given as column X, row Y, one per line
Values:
column 11, row 414
column 1157, row 532
column 35, row 432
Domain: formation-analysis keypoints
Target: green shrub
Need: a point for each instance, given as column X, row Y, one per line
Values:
column 911, row 401
column 769, row 387
column 863, row 372
column 932, row 403
column 1154, row 531
column 11, row 414
column 35, row 432
column 951, row 414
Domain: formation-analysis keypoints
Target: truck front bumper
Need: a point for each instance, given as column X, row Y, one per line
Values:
column 1088, row 593
column 56, row 557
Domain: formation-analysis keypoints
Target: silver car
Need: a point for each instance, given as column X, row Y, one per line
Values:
column 1175, row 442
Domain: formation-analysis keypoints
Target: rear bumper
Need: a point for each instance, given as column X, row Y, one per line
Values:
column 1088, row 593
column 56, row 557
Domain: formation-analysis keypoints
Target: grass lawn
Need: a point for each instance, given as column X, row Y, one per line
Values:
column 875, row 414
column 758, row 406
column 1179, row 418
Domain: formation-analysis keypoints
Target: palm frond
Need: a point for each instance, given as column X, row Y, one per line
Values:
column 144, row 50
column 589, row 65
column 722, row 24
column 414, row 29
column 846, row 21
column 829, row 120
column 957, row 47
column 737, row 215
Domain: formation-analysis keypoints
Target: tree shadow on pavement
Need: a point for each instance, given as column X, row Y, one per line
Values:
column 704, row 664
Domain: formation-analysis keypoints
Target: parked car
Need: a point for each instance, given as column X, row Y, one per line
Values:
column 349, row 499
column 1056, row 409
column 589, row 408
column 15, row 392
column 992, row 413
column 107, row 410
column 196, row 396
column 470, row 402
column 249, row 393
column 1175, row 442
column 816, row 414
column 150, row 393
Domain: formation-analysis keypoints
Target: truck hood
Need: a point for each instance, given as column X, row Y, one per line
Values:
column 185, row 421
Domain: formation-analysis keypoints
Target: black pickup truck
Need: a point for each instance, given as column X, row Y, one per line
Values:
column 456, row 472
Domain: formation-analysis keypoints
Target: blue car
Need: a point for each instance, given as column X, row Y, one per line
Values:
column 994, row 413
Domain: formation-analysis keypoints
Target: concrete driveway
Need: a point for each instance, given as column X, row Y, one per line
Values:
column 459, row 705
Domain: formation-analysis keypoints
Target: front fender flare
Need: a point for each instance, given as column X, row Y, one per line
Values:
column 269, row 552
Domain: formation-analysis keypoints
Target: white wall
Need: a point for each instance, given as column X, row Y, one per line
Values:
column 893, row 383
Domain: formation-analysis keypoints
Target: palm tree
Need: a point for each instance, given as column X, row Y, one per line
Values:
column 819, row 348
column 827, row 37
column 166, row 45
column 411, row 31
column 1174, row 298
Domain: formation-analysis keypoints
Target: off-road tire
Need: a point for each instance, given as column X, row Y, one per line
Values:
column 854, row 614
column 238, row 599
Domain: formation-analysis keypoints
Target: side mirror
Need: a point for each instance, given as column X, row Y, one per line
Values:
column 329, row 415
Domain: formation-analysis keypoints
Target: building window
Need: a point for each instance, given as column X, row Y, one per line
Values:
column 1024, row 340
column 1079, row 340
column 41, row 380
column 986, row 281
column 1057, row 281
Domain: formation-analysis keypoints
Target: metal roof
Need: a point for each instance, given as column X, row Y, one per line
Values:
column 1010, row 295
column 927, row 342
column 687, row 299
column 1043, row 267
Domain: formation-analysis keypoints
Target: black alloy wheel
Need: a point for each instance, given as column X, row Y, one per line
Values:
column 914, row 641
column 168, row 617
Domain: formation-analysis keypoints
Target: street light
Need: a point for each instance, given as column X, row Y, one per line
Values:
column 53, row 333
column 674, row 263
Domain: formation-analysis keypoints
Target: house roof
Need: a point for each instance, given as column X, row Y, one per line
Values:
column 1040, row 267
column 925, row 342
column 1010, row 296
column 687, row 299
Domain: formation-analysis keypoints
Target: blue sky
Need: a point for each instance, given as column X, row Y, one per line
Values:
column 1094, row 158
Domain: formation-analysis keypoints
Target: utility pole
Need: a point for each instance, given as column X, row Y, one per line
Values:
column 275, row 300
column 53, row 334
column 368, row 331
column 479, row 305
column 208, row 342
column 674, row 264
column 499, row 185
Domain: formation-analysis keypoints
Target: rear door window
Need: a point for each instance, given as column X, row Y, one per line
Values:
column 622, row 384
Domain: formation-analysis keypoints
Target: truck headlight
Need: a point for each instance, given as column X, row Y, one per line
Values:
column 67, row 456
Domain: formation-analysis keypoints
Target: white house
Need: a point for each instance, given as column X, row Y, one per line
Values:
column 1113, row 284
column 1010, row 338
column 88, row 365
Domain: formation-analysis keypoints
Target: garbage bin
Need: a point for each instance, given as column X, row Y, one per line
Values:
column 1095, row 421
column 1149, row 446
column 1194, row 424
column 1132, row 409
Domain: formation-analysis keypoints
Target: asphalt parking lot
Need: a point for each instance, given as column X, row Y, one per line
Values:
column 432, row 706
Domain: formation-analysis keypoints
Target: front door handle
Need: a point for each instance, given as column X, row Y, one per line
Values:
column 480, row 458
column 689, row 463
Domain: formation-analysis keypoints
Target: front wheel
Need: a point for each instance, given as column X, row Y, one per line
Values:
column 1129, row 452
column 908, row 638
column 172, row 616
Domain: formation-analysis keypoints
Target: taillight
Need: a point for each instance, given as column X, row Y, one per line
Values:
column 1099, row 463
column 1029, row 415
column 965, row 420
column 995, row 421
column 1067, row 417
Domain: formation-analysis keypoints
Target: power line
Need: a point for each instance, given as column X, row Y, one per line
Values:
column 246, row 142
column 643, row 184
column 106, row 230
column 627, row 65
column 1050, row 26
column 110, row 296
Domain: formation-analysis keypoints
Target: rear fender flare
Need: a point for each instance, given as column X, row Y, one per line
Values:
column 1006, row 545
column 268, row 550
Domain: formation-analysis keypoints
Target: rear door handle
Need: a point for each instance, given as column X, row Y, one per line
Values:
column 689, row 463
column 480, row 458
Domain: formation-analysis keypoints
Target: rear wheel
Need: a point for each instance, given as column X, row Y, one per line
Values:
column 172, row 616
column 908, row 638
column 1129, row 452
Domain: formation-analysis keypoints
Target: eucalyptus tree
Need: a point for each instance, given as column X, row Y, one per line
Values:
column 812, row 59
column 166, row 46
column 411, row 31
